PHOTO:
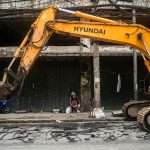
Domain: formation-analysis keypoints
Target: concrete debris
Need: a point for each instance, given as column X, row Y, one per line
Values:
column 119, row 131
column 97, row 113
column 56, row 110
column 118, row 113
column 21, row 111
column 58, row 121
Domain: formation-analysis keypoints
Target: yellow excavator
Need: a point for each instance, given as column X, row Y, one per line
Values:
column 134, row 35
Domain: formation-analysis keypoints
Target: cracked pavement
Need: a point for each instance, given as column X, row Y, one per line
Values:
column 118, row 131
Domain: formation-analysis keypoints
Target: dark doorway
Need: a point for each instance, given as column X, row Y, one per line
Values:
column 110, row 68
column 49, row 84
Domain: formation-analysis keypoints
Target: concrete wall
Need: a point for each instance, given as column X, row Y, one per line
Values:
column 5, row 4
column 30, row 4
column 145, row 3
column 7, row 52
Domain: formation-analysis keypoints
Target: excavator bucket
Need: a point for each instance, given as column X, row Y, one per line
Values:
column 5, row 90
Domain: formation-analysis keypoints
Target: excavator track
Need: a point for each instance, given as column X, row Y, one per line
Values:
column 131, row 109
column 143, row 117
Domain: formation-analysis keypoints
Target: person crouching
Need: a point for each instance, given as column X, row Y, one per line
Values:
column 74, row 103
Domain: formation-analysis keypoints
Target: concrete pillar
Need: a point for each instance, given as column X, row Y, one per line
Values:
column 86, row 42
column 96, row 68
column 85, row 84
column 135, row 63
column 85, row 79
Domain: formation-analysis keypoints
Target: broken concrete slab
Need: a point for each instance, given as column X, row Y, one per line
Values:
column 117, row 113
column 21, row 111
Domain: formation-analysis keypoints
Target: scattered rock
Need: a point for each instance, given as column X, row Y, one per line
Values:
column 110, row 138
column 93, row 135
column 146, row 137
column 86, row 139
column 70, row 139
column 38, row 134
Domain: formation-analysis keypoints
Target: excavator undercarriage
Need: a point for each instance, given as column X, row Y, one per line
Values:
column 139, row 110
column 143, row 117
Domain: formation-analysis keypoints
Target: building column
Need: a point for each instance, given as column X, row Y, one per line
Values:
column 96, row 64
column 135, row 63
column 85, row 78
column 85, row 84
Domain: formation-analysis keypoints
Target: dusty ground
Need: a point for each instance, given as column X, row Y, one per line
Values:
column 118, row 132
column 140, row 145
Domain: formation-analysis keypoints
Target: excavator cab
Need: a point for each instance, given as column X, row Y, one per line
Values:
column 144, row 86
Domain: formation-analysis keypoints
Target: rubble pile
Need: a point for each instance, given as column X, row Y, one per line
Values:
column 43, row 134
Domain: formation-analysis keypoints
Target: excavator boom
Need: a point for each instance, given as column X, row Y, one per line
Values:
column 128, row 34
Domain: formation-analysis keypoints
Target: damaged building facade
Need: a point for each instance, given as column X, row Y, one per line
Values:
column 94, row 70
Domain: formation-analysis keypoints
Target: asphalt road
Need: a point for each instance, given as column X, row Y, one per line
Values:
column 126, row 145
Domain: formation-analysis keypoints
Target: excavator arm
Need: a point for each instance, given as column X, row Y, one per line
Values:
column 31, row 46
column 102, row 29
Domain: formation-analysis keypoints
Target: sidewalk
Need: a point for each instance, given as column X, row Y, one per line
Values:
column 54, row 117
